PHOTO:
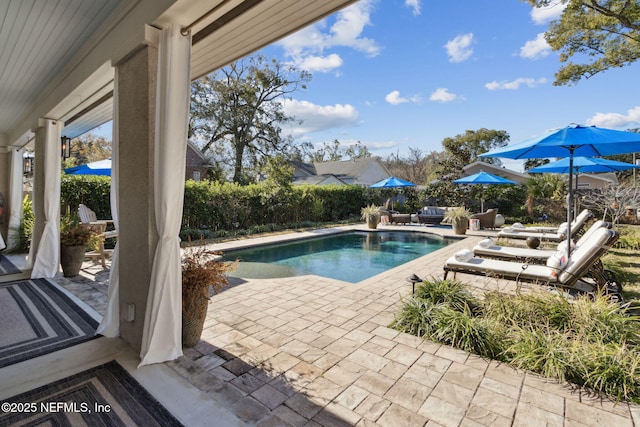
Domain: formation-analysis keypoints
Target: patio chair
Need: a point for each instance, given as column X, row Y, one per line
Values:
column 574, row 275
column 398, row 218
column 548, row 234
column 487, row 219
column 88, row 216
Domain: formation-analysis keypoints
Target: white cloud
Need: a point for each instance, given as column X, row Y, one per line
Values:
column 515, row 84
column 442, row 94
column 322, row 64
column 542, row 15
column 414, row 5
column 535, row 49
column 394, row 98
column 616, row 120
column 319, row 117
column 459, row 48
column 307, row 46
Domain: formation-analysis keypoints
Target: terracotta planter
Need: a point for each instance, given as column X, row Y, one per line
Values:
column 71, row 258
column 460, row 225
column 194, row 312
column 372, row 223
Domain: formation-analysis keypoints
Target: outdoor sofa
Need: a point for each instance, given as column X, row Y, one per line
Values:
column 431, row 215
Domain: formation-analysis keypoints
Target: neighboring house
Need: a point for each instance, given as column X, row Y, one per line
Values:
column 589, row 181
column 197, row 165
column 585, row 181
column 479, row 166
column 365, row 172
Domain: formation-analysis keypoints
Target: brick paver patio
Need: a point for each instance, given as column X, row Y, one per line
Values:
column 311, row 351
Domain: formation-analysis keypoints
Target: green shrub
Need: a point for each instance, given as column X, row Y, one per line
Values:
column 541, row 350
column 418, row 317
column 25, row 229
column 463, row 330
column 450, row 292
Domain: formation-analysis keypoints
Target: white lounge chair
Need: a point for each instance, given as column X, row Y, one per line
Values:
column 537, row 256
column 582, row 260
column 549, row 234
column 88, row 216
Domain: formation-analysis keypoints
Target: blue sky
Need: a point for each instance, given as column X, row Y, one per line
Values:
column 395, row 74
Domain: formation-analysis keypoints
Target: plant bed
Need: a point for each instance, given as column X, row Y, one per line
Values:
column 591, row 342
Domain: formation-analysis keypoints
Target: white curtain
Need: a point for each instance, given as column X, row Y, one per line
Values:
column 48, row 253
column 161, row 336
column 110, row 324
column 15, row 197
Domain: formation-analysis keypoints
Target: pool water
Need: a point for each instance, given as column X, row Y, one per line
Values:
column 350, row 257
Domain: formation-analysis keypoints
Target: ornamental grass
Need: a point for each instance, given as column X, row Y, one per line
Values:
column 591, row 342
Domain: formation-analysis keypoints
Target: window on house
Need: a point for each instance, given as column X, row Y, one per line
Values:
column 196, row 175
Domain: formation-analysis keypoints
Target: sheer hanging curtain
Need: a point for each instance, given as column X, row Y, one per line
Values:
column 161, row 336
column 110, row 324
column 15, row 198
column 48, row 254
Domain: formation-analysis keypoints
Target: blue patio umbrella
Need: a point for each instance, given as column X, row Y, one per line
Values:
column 392, row 182
column 101, row 167
column 583, row 164
column 483, row 178
column 571, row 141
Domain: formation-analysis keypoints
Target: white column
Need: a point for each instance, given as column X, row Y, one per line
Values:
column 161, row 339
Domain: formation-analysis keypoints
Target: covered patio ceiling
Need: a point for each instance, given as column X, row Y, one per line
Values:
column 56, row 57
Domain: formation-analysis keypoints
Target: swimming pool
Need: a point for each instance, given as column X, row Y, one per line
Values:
column 351, row 257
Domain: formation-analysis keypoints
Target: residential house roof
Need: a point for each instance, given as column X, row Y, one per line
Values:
column 365, row 171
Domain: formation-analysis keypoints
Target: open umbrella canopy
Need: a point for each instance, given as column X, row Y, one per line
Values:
column 392, row 182
column 573, row 140
column 483, row 178
column 101, row 167
column 583, row 164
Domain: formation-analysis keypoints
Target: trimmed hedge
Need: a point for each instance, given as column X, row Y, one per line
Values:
column 214, row 206
column 93, row 191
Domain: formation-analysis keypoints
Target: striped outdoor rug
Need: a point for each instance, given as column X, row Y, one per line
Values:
column 102, row 396
column 37, row 318
column 7, row 267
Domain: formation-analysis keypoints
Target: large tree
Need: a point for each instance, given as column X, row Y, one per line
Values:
column 602, row 34
column 88, row 148
column 237, row 112
column 334, row 151
column 466, row 148
column 417, row 166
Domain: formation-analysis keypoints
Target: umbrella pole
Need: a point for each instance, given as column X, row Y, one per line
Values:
column 569, row 202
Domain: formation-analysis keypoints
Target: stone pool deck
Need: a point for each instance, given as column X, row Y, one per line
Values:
column 311, row 351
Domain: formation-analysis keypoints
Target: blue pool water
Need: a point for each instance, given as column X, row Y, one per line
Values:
column 350, row 257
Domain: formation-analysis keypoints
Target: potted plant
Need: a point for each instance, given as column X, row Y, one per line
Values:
column 74, row 239
column 202, row 270
column 459, row 218
column 371, row 215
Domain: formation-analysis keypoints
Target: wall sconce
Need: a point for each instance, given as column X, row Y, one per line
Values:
column 65, row 147
column 27, row 165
